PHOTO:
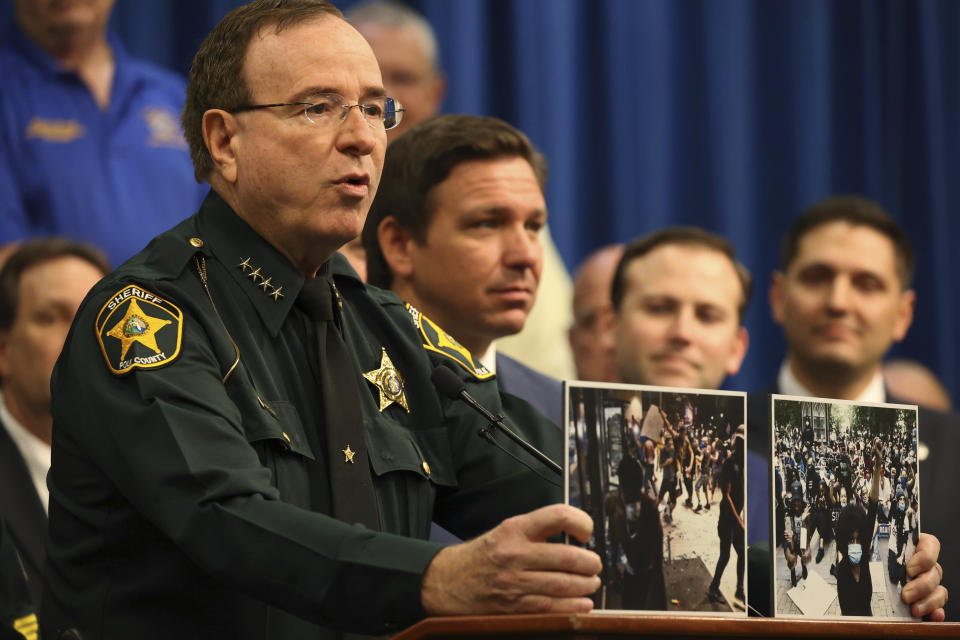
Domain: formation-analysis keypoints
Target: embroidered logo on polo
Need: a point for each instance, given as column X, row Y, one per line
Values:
column 164, row 128
column 262, row 281
column 439, row 341
column 55, row 130
column 138, row 329
column 389, row 382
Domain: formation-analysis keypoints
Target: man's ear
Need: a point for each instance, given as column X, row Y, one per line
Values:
column 396, row 244
column 739, row 351
column 220, row 135
column 776, row 296
column 908, row 300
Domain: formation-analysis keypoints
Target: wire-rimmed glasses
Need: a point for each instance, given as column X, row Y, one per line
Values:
column 331, row 108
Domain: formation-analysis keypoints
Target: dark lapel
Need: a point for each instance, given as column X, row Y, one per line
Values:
column 21, row 508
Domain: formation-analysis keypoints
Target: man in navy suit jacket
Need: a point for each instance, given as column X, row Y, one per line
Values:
column 843, row 296
column 453, row 231
column 41, row 286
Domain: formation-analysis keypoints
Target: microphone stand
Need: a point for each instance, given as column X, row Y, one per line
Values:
column 497, row 422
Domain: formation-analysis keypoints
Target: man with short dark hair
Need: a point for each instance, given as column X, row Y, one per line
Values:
column 454, row 231
column 247, row 441
column 679, row 295
column 843, row 297
column 41, row 286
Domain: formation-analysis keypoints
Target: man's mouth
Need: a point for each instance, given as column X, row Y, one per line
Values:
column 354, row 184
column 674, row 361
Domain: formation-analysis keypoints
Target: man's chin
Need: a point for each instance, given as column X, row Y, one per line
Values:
column 835, row 360
column 671, row 377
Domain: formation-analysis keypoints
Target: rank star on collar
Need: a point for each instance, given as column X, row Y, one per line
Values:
column 348, row 454
column 389, row 382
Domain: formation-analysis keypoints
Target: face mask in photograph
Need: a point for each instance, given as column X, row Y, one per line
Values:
column 854, row 552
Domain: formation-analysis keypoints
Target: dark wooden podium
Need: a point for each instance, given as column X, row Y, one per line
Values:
column 597, row 626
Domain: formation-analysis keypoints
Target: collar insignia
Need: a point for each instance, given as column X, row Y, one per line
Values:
column 27, row 626
column 260, row 281
column 348, row 454
column 439, row 341
column 389, row 382
column 138, row 329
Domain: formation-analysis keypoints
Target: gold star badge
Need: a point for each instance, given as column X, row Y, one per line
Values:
column 389, row 382
column 348, row 454
column 136, row 326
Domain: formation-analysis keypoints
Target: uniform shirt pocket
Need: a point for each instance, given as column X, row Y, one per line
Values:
column 408, row 466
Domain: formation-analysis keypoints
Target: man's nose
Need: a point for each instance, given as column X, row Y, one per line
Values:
column 682, row 326
column 838, row 294
column 521, row 247
column 355, row 134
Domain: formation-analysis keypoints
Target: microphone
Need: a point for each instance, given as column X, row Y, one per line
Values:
column 451, row 386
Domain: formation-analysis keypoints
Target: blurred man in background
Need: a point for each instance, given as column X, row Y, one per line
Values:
column 90, row 142
column 590, row 335
column 41, row 287
column 843, row 296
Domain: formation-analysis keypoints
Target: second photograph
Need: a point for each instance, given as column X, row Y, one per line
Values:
column 661, row 472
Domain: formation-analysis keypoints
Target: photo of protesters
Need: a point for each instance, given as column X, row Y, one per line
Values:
column 661, row 472
column 846, row 503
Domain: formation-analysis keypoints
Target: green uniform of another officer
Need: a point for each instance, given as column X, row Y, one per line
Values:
column 202, row 408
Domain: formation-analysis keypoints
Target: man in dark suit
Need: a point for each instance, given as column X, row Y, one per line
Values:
column 453, row 231
column 41, row 285
column 843, row 296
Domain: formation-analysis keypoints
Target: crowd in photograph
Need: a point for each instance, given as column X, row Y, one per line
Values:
column 853, row 488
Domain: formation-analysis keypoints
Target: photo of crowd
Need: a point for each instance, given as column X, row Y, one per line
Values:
column 661, row 472
column 846, row 504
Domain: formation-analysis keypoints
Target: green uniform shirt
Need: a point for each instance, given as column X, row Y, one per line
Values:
column 188, row 490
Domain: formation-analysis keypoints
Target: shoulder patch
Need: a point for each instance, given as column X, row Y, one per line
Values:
column 439, row 341
column 138, row 329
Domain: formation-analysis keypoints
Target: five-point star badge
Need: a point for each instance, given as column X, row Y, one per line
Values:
column 136, row 326
column 348, row 454
column 389, row 382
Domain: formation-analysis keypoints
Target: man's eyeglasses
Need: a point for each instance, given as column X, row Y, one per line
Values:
column 332, row 108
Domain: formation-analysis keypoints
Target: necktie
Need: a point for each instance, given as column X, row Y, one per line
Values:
column 351, row 483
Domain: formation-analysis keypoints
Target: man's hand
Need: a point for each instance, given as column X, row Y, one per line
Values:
column 924, row 590
column 512, row 569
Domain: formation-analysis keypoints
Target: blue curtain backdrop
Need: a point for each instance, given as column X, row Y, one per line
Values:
column 729, row 114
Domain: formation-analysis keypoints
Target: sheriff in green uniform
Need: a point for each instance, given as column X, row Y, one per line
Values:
column 200, row 429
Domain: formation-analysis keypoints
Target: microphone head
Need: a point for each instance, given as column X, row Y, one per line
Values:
column 447, row 382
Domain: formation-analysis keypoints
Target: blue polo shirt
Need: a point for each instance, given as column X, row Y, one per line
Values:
column 114, row 177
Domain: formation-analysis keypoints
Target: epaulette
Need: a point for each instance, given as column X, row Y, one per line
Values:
column 168, row 254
